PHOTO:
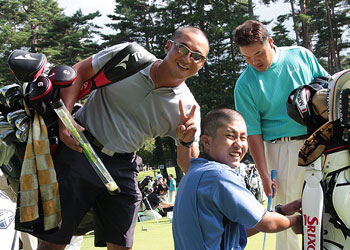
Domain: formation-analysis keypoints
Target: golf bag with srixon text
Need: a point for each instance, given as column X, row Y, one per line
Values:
column 325, row 155
column 36, row 90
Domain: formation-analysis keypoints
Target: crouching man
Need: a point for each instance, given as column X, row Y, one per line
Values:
column 213, row 209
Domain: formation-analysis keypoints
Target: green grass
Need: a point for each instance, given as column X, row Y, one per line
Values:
column 158, row 236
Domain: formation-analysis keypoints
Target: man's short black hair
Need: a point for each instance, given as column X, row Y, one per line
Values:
column 218, row 118
column 162, row 187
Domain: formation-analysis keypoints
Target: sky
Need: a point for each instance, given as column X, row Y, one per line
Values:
column 107, row 7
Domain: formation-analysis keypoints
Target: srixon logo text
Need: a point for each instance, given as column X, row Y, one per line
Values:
column 310, row 223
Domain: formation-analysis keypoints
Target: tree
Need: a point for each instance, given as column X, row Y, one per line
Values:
column 41, row 26
column 281, row 33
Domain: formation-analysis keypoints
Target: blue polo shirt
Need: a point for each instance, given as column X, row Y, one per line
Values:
column 212, row 208
column 261, row 96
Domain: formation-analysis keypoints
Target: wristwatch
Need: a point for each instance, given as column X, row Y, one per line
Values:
column 278, row 209
column 187, row 144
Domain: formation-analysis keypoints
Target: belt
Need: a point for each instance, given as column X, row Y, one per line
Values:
column 102, row 148
column 292, row 138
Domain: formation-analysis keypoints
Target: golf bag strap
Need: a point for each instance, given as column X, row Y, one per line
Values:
column 125, row 63
column 330, row 206
column 312, row 206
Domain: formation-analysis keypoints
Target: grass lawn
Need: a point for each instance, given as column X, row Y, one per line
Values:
column 158, row 236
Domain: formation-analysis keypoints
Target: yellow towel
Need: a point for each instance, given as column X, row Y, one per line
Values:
column 38, row 173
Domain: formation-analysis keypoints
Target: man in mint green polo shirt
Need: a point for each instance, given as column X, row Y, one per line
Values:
column 260, row 96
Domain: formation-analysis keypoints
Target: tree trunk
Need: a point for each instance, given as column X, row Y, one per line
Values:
column 250, row 9
column 305, row 25
column 333, row 65
column 295, row 24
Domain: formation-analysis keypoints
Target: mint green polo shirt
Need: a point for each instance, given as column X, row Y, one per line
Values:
column 261, row 96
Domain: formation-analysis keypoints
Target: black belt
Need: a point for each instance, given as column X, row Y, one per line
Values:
column 99, row 146
column 285, row 139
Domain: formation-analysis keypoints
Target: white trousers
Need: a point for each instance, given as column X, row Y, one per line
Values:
column 283, row 157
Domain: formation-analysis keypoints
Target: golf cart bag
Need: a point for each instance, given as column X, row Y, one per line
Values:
column 325, row 155
column 37, row 89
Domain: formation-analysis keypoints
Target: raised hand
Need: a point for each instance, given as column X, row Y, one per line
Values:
column 186, row 129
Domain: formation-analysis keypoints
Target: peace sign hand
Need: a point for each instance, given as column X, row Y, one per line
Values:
column 186, row 129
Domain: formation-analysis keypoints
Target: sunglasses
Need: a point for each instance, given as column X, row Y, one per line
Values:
column 196, row 56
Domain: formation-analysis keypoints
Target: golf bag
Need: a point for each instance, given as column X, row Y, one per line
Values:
column 325, row 154
column 250, row 176
column 8, row 234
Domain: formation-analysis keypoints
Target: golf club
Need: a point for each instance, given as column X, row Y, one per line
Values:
column 269, row 201
column 89, row 152
column 22, row 123
column 21, row 136
column 13, row 116
column 7, row 136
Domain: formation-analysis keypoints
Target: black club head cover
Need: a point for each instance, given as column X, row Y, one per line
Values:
column 26, row 66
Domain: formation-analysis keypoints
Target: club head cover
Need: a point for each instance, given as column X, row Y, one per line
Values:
column 338, row 81
column 62, row 76
column 319, row 103
column 298, row 107
column 26, row 66
column 39, row 91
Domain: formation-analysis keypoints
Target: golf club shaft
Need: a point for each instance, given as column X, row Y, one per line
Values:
column 269, row 201
column 88, row 151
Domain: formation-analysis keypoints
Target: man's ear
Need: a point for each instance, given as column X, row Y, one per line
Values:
column 206, row 141
column 167, row 47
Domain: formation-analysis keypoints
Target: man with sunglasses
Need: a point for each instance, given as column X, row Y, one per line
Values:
column 117, row 120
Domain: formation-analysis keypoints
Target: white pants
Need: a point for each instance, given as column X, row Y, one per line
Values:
column 172, row 195
column 283, row 157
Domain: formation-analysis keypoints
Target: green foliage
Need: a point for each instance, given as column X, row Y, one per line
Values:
column 41, row 26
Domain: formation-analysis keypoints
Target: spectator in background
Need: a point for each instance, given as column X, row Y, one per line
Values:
column 172, row 188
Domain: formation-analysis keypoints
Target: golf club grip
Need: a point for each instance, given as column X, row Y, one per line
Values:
column 88, row 151
column 273, row 176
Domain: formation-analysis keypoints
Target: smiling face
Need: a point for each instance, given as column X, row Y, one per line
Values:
column 259, row 56
column 183, row 66
column 229, row 144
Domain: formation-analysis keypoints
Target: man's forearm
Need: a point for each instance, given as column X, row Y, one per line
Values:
column 184, row 155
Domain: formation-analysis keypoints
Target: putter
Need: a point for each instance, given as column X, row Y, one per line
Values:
column 269, row 201
column 89, row 152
